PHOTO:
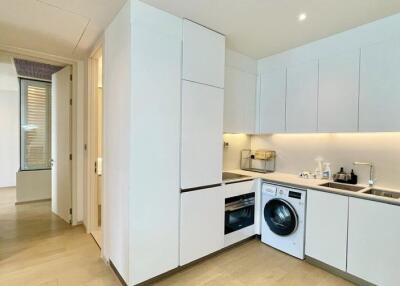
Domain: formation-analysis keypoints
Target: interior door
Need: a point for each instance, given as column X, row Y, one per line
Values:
column 61, row 144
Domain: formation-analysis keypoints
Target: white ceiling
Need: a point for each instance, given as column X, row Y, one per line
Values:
column 66, row 28
column 260, row 28
column 257, row 28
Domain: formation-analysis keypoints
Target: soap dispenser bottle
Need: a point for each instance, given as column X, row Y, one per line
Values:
column 327, row 173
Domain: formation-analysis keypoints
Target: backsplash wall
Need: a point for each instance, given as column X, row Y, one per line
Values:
column 237, row 142
column 297, row 152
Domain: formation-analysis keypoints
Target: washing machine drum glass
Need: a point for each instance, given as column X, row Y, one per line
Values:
column 280, row 217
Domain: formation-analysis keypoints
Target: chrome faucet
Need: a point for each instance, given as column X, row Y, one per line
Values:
column 371, row 171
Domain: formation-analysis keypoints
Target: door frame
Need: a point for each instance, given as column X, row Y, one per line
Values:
column 77, row 130
column 92, row 137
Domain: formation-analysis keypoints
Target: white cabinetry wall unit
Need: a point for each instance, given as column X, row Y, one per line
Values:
column 240, row 93
column 302, row 97
column 203, row 55
column 348, row 82
column 380, row 87
column 272, row 101
column 143, row 46
column 373, row 252
column 326, row 228
column 202, row 223
column 202, row 106
column 338, row 92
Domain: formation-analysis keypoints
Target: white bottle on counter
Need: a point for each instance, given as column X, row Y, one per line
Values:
column 327, row 173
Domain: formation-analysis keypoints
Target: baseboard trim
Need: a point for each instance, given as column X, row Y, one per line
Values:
column 33, row 201
column 338, row 272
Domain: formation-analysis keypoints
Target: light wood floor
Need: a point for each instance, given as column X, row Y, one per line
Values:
column 39, row 249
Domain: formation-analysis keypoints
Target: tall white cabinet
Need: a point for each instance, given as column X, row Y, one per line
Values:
column 380, row 87
column 202, row 106
column 142, row 86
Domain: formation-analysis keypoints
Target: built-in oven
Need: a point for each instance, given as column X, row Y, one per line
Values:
column 239, row 212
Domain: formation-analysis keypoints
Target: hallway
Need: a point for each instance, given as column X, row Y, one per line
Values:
column 39, row 249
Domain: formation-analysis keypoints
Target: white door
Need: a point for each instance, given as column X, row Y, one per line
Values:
column 61, row 144
column 202, row 223
column 202, row 135
column 302, row 97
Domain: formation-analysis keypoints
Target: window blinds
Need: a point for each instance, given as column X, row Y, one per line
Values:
column 35, row 125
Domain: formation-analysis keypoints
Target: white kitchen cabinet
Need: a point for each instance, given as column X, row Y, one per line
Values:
column 380, row 87
column 302, row 97
column 338, row 92
column 239, row 101
column 203, row 55
column 202, row 223
column 373, row 246
column 202, row 135
column 326, row 228
column 272, row 101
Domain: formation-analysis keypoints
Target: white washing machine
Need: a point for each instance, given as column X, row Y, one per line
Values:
column 282, row 218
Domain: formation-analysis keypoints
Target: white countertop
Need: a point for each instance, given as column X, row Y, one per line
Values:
column 314, row 184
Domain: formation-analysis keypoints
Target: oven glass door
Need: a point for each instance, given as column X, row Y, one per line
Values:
column 239, row 212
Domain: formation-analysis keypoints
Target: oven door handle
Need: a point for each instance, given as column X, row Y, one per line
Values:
column 242, row 206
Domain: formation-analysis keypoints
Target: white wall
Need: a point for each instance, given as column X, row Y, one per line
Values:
column 296, row 152
column 33, row 185
column 9, row 122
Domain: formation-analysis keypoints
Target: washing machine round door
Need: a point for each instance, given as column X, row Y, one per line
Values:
column 281, row 217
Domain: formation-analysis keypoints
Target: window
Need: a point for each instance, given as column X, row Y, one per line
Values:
column 35, row 128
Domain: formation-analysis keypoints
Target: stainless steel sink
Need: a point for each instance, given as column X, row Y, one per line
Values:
column 382, row 193
column 344, row 187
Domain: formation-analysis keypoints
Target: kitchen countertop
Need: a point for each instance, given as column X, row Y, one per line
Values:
column 314, row 184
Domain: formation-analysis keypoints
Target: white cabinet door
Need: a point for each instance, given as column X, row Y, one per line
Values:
column 202, row 223
column 302, row 97
column 202, row 135
column 239, row 101
column 326, row 228
column 373, row 247
column 380, row 87
column 272, row 101
column 338, row 92
column 203, row 55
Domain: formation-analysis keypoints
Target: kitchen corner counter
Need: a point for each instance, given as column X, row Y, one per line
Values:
column 314, row 184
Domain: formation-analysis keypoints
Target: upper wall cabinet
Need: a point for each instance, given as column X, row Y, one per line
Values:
column 380, row 87
column 203, row 55
column 272, row 101
column 338, row 92
column 239, row 101
column 302, row 97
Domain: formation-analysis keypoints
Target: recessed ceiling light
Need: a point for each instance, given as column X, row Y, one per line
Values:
column 302, row 17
